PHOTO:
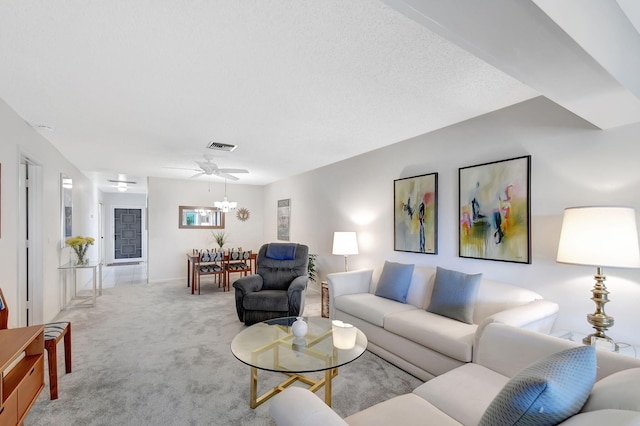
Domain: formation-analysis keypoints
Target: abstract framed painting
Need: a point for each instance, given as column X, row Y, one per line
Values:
column 494, row 211
column 415, row 214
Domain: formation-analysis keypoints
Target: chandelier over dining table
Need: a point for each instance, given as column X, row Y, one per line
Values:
column 225, row 205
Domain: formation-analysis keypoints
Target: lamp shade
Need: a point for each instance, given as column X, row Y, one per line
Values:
column 599, row 236
column 345, row 243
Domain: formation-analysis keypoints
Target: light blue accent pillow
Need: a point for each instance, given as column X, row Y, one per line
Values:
column 394, row 281
column 547, row 392
column 454, row 295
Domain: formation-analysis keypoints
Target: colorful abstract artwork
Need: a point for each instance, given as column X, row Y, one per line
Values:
column 494, row 211
column 415, row 214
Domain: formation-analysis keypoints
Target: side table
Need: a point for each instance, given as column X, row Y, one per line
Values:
column 325, row 299
column 575, row 336
column 67, row 303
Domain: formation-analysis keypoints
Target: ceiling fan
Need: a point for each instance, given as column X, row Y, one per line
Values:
column 209, row 168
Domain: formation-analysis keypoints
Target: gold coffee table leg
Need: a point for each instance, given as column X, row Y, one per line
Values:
column 253, row 388
column 255, row 400
column 328, row 375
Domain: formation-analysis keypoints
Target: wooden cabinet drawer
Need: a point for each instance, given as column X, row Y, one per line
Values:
column 9, row 411
column 30, row 386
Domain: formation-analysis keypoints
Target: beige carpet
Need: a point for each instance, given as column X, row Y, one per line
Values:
column 153, row 354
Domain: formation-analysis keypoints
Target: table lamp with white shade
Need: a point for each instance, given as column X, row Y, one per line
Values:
column 345, row 244
column 599, row 236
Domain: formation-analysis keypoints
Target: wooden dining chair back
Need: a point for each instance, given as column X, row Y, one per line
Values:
column 210, row 263
column 238, row 261
column 53, row 333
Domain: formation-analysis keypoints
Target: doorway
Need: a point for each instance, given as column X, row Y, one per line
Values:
column 30, row 243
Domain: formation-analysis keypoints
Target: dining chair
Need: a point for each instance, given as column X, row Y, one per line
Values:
column 238, row 261
column 210, row 262
column 53, row 333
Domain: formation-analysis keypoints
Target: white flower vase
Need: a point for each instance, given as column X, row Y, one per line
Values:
column 299, row 327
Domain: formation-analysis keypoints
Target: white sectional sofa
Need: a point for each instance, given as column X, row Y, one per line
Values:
column 462, row 395
column 423, row 343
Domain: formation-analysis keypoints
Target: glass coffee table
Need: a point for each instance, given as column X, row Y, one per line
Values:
column 271, row 346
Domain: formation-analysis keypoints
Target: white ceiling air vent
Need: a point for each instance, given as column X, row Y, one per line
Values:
column 219, row 146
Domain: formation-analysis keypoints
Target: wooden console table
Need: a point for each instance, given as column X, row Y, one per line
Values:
column 22, row 378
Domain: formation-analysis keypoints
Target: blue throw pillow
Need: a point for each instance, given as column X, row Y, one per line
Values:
column 547, row 392
column 394, row 281
column 454, row 295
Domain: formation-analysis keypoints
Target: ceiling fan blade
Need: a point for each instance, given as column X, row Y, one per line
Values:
column 182, row 168
column 233, row 170
column 196, row 175
column 226, row 176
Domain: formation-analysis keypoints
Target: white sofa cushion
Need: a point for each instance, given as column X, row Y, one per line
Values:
column 604, row 417
column 496, row 296
column 620, row 390
column 296, row 406
column 369, row 307
column 470, row 386
column 449, row 337
column 408, row 410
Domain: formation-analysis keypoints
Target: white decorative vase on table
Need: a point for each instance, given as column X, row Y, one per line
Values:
column 299, row 327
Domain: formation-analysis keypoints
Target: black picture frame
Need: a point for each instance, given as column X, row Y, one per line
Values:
column 494, row 210
column 415, row 214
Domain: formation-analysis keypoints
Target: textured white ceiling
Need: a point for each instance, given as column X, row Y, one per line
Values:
column 141, row 87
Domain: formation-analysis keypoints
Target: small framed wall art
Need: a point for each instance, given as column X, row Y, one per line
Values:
column 415, row 214
column 284, row 219
column 494, row 211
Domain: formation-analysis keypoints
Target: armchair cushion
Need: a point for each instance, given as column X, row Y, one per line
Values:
column 454, row 295
column 266, row 300
column 394, row 281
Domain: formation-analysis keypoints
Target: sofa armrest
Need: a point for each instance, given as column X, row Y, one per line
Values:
column 297, row 406
column 537, row 315
column 352, row 282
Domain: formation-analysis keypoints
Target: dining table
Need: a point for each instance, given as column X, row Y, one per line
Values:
column 192, row 259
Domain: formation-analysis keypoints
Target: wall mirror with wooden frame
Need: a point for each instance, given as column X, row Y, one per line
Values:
column 192, row 217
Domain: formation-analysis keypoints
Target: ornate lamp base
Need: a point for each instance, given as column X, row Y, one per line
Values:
column 599, row 319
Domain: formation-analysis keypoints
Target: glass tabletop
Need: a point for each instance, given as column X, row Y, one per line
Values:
column 271, row 346
column 75, row 265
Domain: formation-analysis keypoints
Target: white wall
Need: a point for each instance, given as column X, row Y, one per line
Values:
column 18, row 138
column 572, row 164
column 169, row 244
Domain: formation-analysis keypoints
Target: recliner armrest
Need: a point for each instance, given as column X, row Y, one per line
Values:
column 248, row 284
column 298, row 284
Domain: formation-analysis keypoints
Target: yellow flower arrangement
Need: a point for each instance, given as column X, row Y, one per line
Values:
column 79, row 244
